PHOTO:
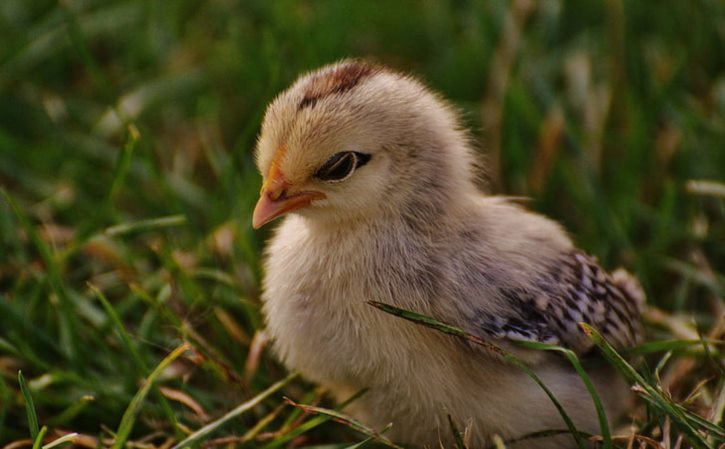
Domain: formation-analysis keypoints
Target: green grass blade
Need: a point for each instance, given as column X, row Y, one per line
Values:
column 345, row 420
column 123, row 162
column 717, row 431
column 134, row 408
column 141, row 226
column 208, row 429
column 717, row 409
column 309, row 425
column 38, row 440
column 29, row 407
column 437, row 325
column 651, row 393
column 297, row 431
column 451, row 330
column 67, row 415
column 574, row 360
column 672, row 345
column 567, row 420
column 661, row 364
column 118, row 324
column 360, row 444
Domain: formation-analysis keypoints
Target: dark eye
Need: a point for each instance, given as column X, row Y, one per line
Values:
column 341, row 165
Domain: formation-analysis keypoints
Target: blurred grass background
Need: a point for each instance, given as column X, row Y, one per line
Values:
column 126, row 136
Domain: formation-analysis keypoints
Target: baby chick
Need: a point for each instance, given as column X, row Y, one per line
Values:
column 380, row 177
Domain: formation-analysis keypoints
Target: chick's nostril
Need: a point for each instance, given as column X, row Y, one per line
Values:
column 275, row 195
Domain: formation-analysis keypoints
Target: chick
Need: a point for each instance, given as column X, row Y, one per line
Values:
column 380, row 178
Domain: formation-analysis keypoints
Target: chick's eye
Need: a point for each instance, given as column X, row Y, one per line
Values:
column 341, row 165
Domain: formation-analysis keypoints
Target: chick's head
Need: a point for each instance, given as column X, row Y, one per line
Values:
column 353, row 141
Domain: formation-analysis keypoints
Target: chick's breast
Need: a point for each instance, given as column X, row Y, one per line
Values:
column 316, row 290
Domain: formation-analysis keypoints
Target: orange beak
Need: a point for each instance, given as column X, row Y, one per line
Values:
column 275, row 200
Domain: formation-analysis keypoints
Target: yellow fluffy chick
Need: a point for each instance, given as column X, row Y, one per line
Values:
column 379, row 176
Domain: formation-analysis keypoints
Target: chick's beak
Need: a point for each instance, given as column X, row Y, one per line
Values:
column 275, row 200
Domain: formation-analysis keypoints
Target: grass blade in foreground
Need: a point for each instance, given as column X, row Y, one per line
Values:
column 215, row 425
column 360, row 444
column 346, row 420
column 601, row 414
column 309, row 425
column 38, row 443
column 652, row 394
column 29, row 407
column 675, row 345
column 129, row 417
column 452, row 330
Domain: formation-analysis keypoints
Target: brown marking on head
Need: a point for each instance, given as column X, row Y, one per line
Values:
column 338, row 80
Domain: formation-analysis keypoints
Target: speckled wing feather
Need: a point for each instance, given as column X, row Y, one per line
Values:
column 575, row 290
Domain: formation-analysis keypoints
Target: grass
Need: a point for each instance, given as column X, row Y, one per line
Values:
column 128, row 180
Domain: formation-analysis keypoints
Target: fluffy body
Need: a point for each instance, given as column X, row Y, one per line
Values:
column 411, row 229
